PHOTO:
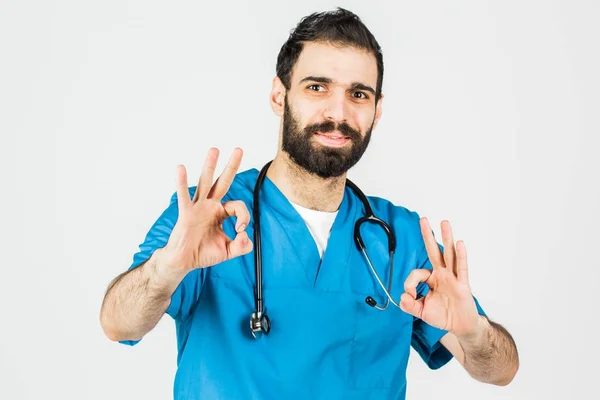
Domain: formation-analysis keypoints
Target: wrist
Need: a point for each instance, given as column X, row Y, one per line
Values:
column 163, row 276
column 478, row 335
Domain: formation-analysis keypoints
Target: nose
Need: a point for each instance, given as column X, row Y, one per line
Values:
column 336, row 108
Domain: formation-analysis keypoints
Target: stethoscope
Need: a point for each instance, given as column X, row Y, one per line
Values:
column 259, row 321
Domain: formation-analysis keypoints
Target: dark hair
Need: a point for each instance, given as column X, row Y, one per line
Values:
column 339, row 27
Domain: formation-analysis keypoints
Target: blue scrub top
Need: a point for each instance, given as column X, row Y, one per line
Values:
column 325, row 341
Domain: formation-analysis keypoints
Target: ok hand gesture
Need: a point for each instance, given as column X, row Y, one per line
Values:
column 198, row 239
column 449, row 304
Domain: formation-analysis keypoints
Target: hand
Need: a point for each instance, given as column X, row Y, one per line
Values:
column 198, row 239
column 449, row 304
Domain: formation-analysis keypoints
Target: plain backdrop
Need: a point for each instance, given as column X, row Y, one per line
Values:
column 490, row 120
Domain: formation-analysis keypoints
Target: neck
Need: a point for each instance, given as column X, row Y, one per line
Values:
column 306, row 189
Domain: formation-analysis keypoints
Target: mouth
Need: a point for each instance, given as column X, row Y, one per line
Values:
column 333, row 139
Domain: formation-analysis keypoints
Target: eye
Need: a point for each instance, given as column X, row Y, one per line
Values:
column 312, row 87
column 360, row 95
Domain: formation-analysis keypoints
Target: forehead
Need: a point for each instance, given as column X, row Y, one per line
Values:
column 342, row 64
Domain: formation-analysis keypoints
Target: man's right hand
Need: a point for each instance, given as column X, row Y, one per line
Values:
column 198, row 239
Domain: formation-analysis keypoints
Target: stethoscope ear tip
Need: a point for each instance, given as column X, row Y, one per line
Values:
column 370, row 301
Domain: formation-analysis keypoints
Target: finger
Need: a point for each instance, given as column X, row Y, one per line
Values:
column 411, row 306
column 413, row 279
column 183, row 193
column 208, row 172
column 222, row 184
column 461, row 263
column 433, row 251
column 239, row 246
column 449, row 251
column 238, row 209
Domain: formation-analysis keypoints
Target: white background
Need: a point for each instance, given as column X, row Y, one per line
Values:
column 490, row 121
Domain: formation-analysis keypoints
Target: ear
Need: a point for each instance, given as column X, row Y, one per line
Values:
column 378, row 111
column 277, row 97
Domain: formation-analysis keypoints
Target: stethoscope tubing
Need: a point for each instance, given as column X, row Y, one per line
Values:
column 259, row 321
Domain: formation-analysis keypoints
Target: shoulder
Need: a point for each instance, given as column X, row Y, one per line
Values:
column 405, row 223
column 394, row 213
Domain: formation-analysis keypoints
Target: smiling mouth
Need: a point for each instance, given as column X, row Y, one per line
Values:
column 333, row 135
column 332, row 139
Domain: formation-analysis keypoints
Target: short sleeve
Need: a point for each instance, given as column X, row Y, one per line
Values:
column 426, row 338
column 187, row 293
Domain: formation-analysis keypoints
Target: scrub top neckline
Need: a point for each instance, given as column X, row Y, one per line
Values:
column 327, row 272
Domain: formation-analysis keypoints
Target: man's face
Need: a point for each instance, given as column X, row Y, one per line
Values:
column 330, row 109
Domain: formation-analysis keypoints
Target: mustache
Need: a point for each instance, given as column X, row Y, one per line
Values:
column 330, row 126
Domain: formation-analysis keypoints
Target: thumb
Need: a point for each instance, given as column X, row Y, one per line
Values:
column 240, row 245
column 411, row 306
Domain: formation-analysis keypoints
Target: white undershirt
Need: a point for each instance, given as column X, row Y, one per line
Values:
column 319, row 224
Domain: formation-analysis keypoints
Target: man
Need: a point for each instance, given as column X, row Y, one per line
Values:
column 324, row 340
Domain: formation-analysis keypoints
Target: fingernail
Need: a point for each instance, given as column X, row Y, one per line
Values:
column 241, row 227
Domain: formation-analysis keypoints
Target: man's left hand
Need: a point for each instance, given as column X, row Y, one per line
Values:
column 449, row 304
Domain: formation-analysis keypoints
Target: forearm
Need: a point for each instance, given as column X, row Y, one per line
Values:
column 137, row 299
column 490, row 354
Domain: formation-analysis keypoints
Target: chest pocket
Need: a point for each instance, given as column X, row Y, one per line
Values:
column 381, row 342
column 380, row 346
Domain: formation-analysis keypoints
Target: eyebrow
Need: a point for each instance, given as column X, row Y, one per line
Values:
column 353, row 85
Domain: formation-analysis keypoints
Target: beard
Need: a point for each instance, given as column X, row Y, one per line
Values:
column 323, row 161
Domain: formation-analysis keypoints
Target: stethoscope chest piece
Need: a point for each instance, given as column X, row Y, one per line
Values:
column 259, row 324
